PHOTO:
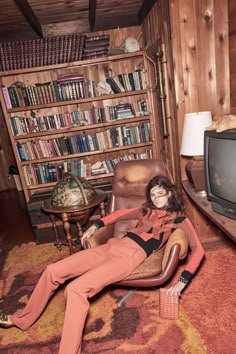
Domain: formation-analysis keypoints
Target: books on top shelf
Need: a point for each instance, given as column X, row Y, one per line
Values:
column 67, row 87
column 96, row 46
column 41, row 52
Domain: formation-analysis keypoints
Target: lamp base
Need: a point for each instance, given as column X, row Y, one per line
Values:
column 195, row 171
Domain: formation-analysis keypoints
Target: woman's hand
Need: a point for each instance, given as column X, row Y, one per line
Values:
column 176, row 289
column 90, row 231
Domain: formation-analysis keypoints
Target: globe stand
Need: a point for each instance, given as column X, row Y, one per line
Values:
column 78, row 214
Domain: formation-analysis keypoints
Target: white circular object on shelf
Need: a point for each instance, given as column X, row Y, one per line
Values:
column 131, row 45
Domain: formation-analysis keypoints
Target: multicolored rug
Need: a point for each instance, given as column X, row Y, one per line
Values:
column 205, row 324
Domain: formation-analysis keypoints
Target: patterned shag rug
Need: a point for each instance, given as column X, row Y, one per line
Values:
column 205, row 324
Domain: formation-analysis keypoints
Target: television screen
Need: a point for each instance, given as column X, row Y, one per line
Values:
column 222, row 168
column 220, row 171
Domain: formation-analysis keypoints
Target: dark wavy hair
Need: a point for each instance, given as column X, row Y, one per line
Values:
column 175, row 203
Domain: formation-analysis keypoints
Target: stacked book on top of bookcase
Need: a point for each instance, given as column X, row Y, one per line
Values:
column 41, row 52
column 96, row 46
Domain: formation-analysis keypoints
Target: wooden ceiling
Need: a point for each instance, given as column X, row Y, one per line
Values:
column 29, row 19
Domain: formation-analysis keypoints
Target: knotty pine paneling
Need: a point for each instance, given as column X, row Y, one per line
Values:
column 200, row 53
column 201, row 58
column 201, row 69
column 156, row 33
column 232, row 54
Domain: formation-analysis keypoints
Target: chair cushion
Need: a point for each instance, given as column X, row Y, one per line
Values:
column 131, row 177
column 151, row 267
column 157, row 261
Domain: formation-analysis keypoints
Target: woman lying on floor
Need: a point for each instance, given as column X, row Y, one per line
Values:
column 93, row 269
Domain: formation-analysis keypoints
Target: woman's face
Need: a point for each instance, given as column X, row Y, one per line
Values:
column 159, row 196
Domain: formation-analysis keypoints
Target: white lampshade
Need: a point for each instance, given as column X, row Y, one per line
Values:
column 193, row 133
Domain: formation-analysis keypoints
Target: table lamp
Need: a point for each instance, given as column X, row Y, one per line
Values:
column 193, row 145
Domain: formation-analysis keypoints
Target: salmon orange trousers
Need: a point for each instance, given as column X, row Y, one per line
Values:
column 92, row 270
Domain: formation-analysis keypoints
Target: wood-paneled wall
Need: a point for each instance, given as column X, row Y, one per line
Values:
column 201, row 56
column 232, row 54
column 158, row 44
column 200, row 39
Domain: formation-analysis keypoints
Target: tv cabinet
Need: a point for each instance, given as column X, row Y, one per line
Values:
column 228, row 226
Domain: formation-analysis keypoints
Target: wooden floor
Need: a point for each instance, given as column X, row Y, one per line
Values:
column 15, row 227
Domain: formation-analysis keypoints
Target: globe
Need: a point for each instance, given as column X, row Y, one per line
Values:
column 72, row 191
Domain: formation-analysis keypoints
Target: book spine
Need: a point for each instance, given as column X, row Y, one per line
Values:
column 6, row 97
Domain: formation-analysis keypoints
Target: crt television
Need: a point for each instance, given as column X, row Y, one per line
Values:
column 220, row 171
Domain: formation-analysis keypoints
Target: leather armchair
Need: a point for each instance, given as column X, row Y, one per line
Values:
column 128, row 191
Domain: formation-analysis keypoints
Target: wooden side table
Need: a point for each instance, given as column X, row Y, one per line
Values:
column 227, row 225
column 80, row 215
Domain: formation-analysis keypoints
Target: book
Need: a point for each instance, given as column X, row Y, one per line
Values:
column 6, row 97
column 70, row 77
column 96, row 48
column 94, row 52
column 117, row 81
column 20, row 152
column 97, row 38
column 115, row 88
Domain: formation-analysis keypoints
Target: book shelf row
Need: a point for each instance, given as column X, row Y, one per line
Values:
column 68, row 145
column 60, row 90
column 52, row 172
column 22, row 125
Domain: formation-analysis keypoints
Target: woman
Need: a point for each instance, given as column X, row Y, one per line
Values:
column 95, row 268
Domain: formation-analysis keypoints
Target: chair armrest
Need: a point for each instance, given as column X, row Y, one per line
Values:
column 99, row 237
column 177, row 237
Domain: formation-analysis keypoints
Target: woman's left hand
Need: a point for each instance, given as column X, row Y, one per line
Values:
column 177, row 288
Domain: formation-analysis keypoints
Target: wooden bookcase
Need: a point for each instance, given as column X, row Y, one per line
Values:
column 79, row 131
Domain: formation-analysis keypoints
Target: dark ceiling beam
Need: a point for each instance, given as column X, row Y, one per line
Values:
column 29, row 15
column 144, row 9
column 92, row 14
column 111, row 22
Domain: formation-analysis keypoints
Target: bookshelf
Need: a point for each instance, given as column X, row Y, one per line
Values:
column 83, row 117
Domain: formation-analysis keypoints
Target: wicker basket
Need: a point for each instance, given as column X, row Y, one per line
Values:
column 168, row 305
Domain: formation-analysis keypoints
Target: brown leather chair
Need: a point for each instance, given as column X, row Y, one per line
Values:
column 129, row 184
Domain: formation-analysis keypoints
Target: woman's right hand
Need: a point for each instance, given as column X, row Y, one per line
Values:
column 90, row 231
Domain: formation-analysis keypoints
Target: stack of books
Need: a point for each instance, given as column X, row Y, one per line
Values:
column 96, row 46
column 41, row 52
column 124, row 110
column 71, row 86
column 125, row 82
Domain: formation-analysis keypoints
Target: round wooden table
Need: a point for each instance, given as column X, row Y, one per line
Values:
column 78, row 214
